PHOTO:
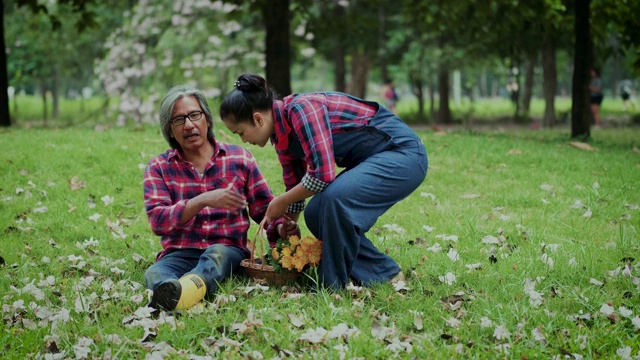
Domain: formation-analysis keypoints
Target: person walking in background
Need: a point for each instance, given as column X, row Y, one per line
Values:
column 384, row 161
column 514, row 91
column 199, row 196
column 389, row 95
column 627, row 92
column 595, row 87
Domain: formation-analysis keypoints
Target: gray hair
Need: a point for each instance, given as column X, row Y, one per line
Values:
column 166, row 109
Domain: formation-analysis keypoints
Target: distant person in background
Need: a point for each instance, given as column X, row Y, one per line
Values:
column 595, row 87
column 389, row 95
column 628, row 94
column 514, row 91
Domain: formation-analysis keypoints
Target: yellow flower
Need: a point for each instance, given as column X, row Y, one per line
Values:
column 286, row 252
column 287, row 263
column 294, row 240
column 298, row 253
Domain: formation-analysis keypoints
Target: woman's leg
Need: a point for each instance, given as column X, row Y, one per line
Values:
column 595, row 109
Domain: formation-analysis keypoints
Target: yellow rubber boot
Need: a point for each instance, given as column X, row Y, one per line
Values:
column 193, row 291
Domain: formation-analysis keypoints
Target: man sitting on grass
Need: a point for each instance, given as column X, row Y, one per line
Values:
column 198, row 196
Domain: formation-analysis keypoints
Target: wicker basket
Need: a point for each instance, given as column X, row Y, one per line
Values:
column 268, row 274
column 261, row 271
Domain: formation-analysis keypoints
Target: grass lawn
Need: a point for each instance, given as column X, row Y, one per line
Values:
column 28, row 111
column 517, row 245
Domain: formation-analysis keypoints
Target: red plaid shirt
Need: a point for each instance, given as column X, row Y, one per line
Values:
column 312, row 118
column 170, row 181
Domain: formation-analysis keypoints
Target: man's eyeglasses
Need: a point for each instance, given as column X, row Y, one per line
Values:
column 180, row 120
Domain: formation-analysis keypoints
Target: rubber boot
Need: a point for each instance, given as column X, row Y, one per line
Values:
column 193, row 291
column 179, row 294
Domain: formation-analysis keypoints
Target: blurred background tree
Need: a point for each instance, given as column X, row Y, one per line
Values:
column 440, row 53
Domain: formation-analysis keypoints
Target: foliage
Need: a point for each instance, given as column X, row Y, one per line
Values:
column 41, row 47
column 191, row 42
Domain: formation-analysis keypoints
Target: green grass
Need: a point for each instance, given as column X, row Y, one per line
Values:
column 522, row 185
column 30, row 113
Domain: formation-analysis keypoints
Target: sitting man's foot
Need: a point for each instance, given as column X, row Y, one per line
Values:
column 166, row 295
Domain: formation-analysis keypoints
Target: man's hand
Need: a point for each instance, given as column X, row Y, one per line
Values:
column 288, row 228
column 226, row 198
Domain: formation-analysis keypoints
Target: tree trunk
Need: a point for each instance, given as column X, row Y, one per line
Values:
column 528, row 84
column 432, row 98
column 340, row 68
column 549, row 80
column 417, row 90
column 444, row 112
column 359, row 74
column 382, row 41
column 55, row 93
column 5, row 116
column 339, row 54
column 580, row 105
column 45, row 108
column 420, row 95
column 483, row 87
column 278, row 68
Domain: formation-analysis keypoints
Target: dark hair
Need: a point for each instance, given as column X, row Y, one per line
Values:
column 166, row 109
column 252, row 93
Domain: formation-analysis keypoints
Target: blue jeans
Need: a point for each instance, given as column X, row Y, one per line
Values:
column 213, row 265
column 385, row 162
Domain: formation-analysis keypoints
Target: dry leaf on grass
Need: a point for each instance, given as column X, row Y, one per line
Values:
column 581, row 145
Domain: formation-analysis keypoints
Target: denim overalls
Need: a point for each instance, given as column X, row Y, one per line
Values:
column 384, row 162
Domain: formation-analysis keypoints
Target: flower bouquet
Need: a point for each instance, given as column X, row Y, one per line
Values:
column 295, row 253
column 285, row 262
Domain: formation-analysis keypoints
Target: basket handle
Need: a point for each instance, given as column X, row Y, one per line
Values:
column 258, row 238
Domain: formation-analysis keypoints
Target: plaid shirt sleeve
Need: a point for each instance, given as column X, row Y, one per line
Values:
column 309, row 117
column 163, row 213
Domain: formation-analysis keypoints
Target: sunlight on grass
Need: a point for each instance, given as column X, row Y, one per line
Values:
column 517, row 245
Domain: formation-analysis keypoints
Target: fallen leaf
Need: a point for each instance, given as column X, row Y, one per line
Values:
column 295, row 321
column 582, row 146
column 77, row 184
column 514, row 152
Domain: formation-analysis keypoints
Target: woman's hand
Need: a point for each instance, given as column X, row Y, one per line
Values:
column 277, row 208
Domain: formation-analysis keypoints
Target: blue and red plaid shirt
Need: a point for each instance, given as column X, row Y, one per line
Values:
column 170, row 181
column 312, row 118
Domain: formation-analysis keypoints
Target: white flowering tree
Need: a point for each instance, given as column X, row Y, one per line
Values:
column 194, row 42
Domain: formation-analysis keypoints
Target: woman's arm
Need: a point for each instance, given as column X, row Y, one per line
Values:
column 278, row 206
